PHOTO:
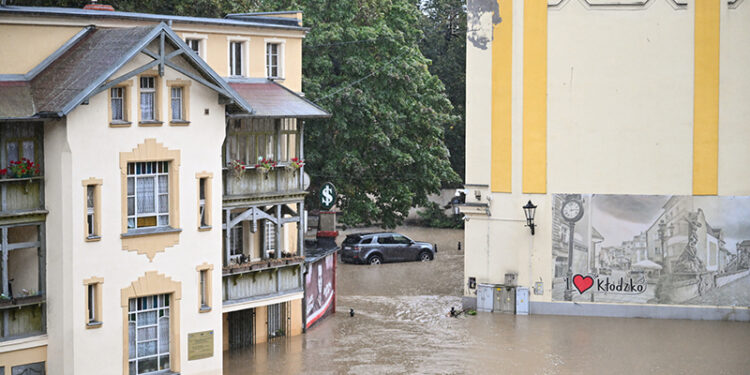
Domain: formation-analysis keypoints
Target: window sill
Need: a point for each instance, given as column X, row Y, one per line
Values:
column 204, row 309
column 179, row 123
column 93, row 325
column 276, row 79
column 150, row 123
column 93, row 238
column 204, row 228
column 149, row 231
column 119, row 124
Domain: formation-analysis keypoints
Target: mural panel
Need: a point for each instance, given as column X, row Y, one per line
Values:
column 651, row 249
column 319, row 289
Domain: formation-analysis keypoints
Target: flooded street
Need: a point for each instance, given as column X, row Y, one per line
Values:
column 401, row 326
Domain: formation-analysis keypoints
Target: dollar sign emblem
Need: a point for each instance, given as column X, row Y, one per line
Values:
column 327, row 196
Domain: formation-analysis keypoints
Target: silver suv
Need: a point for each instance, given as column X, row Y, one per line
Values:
column 381, row 247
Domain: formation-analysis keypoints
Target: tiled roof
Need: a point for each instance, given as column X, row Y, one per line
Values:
column 269, row 99
column 74, row 71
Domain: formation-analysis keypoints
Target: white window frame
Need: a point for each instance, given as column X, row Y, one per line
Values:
column 158, row 304
column 245, row 55
column 281, row 57
column 151, row 91
column 202, row 41
column 202, row 190
column 269, row 237
column 91, row 211
column 121, row 99
column 155, row 174
column 204, row 289
column 91, row 290
column 180, row 113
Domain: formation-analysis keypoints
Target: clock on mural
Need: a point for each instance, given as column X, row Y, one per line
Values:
column 572, row 210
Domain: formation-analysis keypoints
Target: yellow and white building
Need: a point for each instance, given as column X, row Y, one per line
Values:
column 133, row 244
column 617, row 100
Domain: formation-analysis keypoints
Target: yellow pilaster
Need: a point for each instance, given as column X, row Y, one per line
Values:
column 502, row 74
column 534, row 176
column 706, row 98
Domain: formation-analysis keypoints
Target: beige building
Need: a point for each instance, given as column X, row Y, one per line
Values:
column 138, row 226
column 633, row 99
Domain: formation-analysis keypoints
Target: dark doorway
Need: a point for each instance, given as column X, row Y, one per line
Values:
column 241, row 328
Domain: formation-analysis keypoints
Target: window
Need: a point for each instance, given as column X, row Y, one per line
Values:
column 149, row 103
column 204, row 287
column 93, row 302
column 236, row 50
column 177, row 104
column 117, row 95
column 148, row 334
column 92, row 209
column 272, row 60
column 148, row 194
column 202, row 201
column 237, row 245
column 195, row 45
column 289, row 144
column 278, row 320
column 19, row 149
column 269, row 235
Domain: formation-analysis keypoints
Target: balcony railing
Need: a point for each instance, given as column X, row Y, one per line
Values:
column 262, row 280
column 21, row 194
column 255, row 181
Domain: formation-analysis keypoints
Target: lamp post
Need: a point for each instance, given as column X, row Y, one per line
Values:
column 664, row 233
column 530, row 210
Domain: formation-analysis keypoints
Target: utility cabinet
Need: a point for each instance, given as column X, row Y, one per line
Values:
column 504, row 298
column 485, row 297
column 522, row 301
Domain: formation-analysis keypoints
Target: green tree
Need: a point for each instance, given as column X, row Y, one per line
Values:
column 444, row 42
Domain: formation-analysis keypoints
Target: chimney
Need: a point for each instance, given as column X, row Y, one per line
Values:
column 95, row 6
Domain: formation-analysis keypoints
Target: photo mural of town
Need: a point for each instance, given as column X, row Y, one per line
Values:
column 651, row 249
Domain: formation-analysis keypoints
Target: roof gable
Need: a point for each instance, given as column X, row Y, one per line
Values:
column 88, row 67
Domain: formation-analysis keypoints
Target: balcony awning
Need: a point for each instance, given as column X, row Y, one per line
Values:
column 272, row 100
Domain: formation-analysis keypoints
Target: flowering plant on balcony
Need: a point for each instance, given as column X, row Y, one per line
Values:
column 23, row 168
column 296, row 163
column 238, row 169
column 264, row 165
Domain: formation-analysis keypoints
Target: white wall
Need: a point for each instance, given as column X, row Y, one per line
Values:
column 94, row 152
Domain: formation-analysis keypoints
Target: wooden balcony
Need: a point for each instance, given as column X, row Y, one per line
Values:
column 262, row 280
column 255, row 182
column 20, row 196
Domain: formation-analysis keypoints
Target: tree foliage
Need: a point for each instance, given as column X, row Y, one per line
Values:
column 444, row 26
column 383, row 147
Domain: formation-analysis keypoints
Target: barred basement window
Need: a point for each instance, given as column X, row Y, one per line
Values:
column 148, row 334
column 148, row 194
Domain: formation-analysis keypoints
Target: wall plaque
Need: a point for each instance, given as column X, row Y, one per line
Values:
column 200, row 345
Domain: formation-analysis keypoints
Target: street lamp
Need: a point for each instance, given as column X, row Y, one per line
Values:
column 664, row 233
column 529, row 210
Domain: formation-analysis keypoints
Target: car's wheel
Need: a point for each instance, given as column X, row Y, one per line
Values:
column 375, row 259
column 425, row 256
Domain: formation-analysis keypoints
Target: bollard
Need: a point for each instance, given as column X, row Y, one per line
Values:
column 459, row 245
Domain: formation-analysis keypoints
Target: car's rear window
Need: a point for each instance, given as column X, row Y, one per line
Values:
column 351, row 240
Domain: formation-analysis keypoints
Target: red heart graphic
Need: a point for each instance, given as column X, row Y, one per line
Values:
column 583, row 283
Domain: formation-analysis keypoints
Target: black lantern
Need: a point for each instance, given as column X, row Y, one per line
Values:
column 529, row 210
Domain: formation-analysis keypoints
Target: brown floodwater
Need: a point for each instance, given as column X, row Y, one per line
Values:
column 401, row 326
